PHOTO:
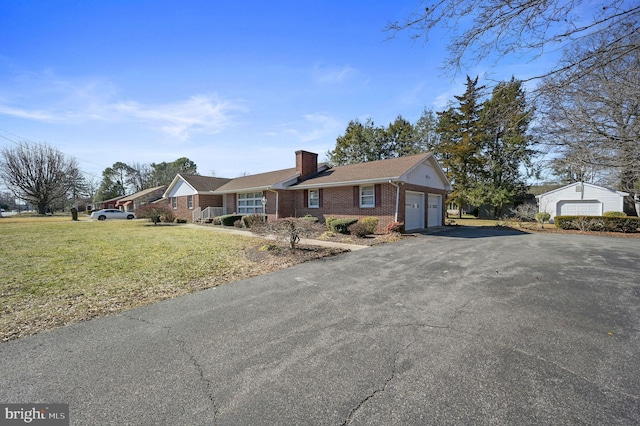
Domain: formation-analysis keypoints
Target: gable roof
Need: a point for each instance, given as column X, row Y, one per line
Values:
column 393, row 169
column 199, row 184
column 602, row 188
column 276, row 179
column 111, row 199
column 141, row 194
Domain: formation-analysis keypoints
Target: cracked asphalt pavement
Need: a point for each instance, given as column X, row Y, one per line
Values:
column 466, row 326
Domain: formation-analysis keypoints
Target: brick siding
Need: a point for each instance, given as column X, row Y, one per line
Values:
column 340, row 202
column 199, row 200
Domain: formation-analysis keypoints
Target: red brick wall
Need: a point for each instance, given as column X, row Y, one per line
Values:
column 306, row 163
column 339, row 202
column 202, row 201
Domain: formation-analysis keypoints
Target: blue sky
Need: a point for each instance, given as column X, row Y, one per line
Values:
column 237, row 87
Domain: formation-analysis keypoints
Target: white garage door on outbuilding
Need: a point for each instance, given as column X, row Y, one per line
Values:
column 581, row 199
column 414, row 210
column 580, row 208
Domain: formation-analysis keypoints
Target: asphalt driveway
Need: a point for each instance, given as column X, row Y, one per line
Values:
column 462, row 327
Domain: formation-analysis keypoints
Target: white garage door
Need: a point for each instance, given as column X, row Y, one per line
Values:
column 434, row 210
column 414, row 210
column 580, row 208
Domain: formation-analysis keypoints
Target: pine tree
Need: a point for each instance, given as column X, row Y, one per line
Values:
column 507, row 147
column 461, row 141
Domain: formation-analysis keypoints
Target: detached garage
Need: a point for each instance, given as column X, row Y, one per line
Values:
column 581, row 199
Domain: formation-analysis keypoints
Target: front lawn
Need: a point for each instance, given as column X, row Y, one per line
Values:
column 55, row 272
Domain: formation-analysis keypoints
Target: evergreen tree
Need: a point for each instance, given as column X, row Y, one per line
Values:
column 507, row 147
column 114, row 182
column 425, row 130
column 461, row 140
column 163, row 173
column 401, row 139
column 360, row 143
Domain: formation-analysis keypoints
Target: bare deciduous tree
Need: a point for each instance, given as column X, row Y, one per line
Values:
column 38, row 173
column 592, row 117
column 481, row 28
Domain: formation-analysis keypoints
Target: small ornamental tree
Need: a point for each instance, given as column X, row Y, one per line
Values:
column 288, row 229
column 543, row 217
column 153, row 212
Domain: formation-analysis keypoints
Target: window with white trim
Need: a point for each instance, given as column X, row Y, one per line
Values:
column 367, row 196
column 250, row 202
column 190, row 201
column 314, row 198
column 174, row 202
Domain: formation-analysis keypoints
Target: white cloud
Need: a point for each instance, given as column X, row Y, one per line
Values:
column 312, row 127
column 198, row 114
column 332, row 75
column 45, row 98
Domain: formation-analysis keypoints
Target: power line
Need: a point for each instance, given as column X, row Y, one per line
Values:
column 43, row 145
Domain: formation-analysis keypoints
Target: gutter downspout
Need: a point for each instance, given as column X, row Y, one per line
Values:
column 277, row 197
column 397, row 199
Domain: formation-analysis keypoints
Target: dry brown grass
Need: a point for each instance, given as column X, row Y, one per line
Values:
column 57, row 272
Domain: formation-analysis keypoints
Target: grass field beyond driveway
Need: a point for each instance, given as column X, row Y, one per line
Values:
column 56, row 272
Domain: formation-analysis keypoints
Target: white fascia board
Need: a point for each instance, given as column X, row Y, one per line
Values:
column 241, row 190
column 346, row 183
column 286, row 183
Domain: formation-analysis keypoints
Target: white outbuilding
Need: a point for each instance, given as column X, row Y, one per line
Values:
column 581, row 199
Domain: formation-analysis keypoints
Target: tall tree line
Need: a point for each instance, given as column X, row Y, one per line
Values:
column 482, row 141
column 121, row 179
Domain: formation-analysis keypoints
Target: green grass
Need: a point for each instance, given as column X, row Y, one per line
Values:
column 54, row 271
column 469, row 220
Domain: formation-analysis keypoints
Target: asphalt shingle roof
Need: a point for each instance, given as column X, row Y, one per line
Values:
column 261, row 180
column 141, row 193
column 204, row 183
column 373, row 170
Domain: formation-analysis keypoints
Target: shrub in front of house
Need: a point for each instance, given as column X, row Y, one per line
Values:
column 359, row 230
column 181, row 220
column 168, row 216
column 371, row 223
column 229, row 219
column 153, row 212
column 252, row 220
column 341, row 225
column 328, row 221
column 598, row 223
column 288, row 229
column 614, row 214
column 310, row 218
column 395, row 228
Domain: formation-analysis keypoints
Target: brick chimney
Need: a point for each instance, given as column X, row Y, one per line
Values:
column 306, row 163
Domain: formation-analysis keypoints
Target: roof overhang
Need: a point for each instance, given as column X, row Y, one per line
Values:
column 395, row 179
column 174, row 182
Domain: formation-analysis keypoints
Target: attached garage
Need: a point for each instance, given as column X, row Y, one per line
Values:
column 434, row 210
column 414, row 210
column 581, row 199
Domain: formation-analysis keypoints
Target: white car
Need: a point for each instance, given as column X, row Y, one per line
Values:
column 111, row 214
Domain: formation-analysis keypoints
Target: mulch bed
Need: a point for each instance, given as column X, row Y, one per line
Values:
column 554, row 230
